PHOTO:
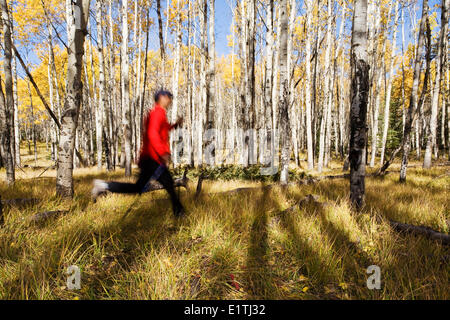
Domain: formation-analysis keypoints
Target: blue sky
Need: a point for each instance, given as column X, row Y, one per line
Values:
column 223, row 24
column 223, row 20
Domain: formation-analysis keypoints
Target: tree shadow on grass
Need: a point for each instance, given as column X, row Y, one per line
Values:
column 410, row 265
column 120, row 243
column 259, row 277
column 310, row 261
column 353, row 259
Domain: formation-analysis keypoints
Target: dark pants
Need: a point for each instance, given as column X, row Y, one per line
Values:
column 147, row 168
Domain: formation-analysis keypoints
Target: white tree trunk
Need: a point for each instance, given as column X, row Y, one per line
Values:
column 126, row 107
column 358, row 111
column 100, row 109
column 176, row 78
column 8, row 100
column 284, row 125
column 269, row 75
column 342, row 113
column 276, row 87
column 431, row 141
column 377, row 89
column 309, row 136
column 324, row 125
column 16, row 126
column 76, row 15
column 212, row 106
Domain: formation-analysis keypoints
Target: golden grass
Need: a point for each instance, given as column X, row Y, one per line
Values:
column 132, row 248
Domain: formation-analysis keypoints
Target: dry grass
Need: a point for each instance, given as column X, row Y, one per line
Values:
column 129, row 248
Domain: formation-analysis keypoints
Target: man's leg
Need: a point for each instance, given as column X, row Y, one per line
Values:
column 146, row 170
column 166, row 180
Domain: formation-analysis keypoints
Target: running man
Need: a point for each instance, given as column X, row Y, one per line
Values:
column 154, row 156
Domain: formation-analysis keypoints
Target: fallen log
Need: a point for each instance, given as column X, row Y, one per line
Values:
column 310, row 198
column 398, row 226
column 43, row 216
column 312, row 180
column 19, row 202
column 270, row 186
column 421, row 230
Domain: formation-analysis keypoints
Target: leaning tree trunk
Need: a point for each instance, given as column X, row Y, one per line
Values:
column 431, row 141
column 413, row 98
column 390, row 75
column 126, row 107
column 8, row 100
column 358, row 112
column 77, row 13
column 413, row 103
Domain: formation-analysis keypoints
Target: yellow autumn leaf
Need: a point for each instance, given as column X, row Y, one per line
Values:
column 169, row 263
column 343, row 285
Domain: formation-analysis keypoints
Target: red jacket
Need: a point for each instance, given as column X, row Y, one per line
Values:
column 156, row 135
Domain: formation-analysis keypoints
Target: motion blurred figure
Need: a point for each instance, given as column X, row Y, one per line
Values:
column 154, row 156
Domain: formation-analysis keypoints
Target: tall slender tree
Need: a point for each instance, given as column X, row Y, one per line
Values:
column 126, row 106
column 413, row 104
column 284, row 125
column 8, row 104
column 100, row 109
column 390, row 76
column 309, row 135
column 358, row 109
column 77, row 13
column 328, row 88
column 440, row 60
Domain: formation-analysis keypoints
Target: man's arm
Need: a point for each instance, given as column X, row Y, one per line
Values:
column 177, row 124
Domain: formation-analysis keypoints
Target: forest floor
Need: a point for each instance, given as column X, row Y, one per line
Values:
column 230, row 245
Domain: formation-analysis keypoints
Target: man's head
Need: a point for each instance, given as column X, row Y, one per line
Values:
column 163, row 98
